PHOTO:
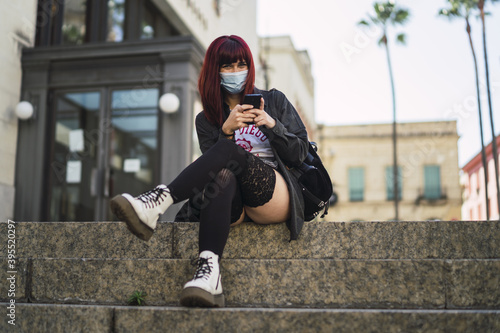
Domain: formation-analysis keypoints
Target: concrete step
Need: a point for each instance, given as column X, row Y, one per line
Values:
column 318, row 240
column 91, row 318
column 318, row 283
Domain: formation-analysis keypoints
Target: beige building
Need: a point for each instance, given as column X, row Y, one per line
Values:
column 289, row 70
column 359, row 159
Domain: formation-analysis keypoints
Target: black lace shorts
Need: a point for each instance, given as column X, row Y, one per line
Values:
column 256, row 186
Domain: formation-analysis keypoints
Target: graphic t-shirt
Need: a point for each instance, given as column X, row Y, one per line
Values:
column 254, row 141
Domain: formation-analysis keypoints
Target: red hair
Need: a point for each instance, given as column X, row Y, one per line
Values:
column 223, row 50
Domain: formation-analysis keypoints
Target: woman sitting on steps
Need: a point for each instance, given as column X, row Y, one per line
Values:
column 247, row 154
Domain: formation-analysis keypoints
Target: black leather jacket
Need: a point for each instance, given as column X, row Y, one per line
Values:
column 288, row 140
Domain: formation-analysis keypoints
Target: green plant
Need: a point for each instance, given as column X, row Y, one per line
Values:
column 137, row 298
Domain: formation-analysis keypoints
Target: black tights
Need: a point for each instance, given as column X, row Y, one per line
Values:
column 215, row 217
column 216, row 176
column 192, row 180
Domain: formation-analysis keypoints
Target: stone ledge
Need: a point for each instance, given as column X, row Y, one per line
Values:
column 319, row 240
column 88, row 318
column 59, row 319
column 86, row 240
column 321, row 283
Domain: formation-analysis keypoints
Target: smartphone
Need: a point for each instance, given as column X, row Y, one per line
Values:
column 253, row 99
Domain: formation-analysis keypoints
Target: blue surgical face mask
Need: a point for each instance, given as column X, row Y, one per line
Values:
column 233, row 82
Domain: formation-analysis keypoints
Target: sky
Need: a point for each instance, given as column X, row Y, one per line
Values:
column 433, row 73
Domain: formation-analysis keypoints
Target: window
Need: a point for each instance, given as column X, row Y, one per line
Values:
column 116, row 20
column 389, row 182
column 82, row 21
column 60, row 22
column 432, row 182
column 148, row 24
column 153, row 24
column 356, row 184
column 73, row 25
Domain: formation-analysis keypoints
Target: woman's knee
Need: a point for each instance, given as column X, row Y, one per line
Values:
column 225, row 178
column 225, row 146
column 236, row 155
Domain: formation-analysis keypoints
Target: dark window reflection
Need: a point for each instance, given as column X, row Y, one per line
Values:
column 134, row 140
column 74, row 159
column 148, row 24
column 75, row 22
column 73, row 28
column 116, row 20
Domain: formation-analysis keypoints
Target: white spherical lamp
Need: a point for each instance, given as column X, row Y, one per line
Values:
column 24, row 110
column 169, row 103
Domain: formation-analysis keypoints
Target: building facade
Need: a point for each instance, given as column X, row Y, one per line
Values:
column 474, row 189
column 17, row 31
column 359, row 160
column 94, row 72
column 289, row 70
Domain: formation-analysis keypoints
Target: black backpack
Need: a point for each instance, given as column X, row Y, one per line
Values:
column 316, row 184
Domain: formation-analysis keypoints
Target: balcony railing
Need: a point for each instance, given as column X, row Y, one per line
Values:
column 431, row 195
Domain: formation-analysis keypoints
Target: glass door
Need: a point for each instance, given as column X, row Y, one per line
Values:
column 133, row 150
column 105, row 142
column 74, row 163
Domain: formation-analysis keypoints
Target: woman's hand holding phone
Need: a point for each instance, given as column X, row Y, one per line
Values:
column 245, row 115
column 238, row 118
column 262, row 118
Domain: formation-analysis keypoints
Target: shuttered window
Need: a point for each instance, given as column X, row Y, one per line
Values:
column 432, row 182
column 356, row 184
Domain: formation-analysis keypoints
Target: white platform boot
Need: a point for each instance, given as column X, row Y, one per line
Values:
column 142, row 212
column 205, row 289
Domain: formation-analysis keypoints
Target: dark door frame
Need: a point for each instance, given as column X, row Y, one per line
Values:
column 171, row 64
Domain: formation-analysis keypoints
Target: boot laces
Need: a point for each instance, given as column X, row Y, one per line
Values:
column 153, row 197
column 204, row 268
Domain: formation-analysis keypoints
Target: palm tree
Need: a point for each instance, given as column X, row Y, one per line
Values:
column 388, row 14
column 480, row 6
column 463, row 8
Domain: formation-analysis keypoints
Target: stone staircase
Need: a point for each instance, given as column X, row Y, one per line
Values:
column 338, row 277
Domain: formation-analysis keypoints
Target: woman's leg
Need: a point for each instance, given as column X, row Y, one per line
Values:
column 224, row 154
column 221, row 206
column 265, row 193
column 142, row 212
column 277, row 209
